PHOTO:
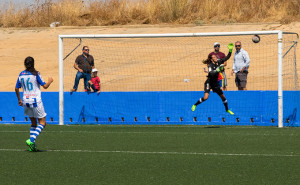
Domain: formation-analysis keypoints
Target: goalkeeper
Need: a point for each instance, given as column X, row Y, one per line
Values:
column 215, row 66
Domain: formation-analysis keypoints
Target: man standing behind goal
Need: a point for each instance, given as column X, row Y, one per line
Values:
column 222, row 79
column 84, row 64
column 240, row 66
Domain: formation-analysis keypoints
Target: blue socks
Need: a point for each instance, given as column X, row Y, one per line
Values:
column 34, row 133
column 32, row 129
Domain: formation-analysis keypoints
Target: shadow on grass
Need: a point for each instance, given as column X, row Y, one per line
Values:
column 213, row 127
column 36, row 151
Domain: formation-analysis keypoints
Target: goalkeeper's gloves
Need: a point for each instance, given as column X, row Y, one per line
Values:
column 220, row 68
column 230, row 47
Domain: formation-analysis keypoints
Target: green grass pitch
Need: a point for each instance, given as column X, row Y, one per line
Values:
column 126, row 154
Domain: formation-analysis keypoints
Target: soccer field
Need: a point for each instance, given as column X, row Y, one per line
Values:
column 127, row 154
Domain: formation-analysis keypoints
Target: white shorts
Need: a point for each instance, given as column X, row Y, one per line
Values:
column 35, row 112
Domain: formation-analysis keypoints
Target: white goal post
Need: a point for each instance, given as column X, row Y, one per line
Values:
column 171, row 35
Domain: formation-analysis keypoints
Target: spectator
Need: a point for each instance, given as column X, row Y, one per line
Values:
column 95, row 81
column 84, row 64
column 240, row 66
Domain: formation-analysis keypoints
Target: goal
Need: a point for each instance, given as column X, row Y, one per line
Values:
column 156, row 78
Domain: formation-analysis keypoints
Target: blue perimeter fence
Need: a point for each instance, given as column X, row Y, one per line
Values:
column 257, row 108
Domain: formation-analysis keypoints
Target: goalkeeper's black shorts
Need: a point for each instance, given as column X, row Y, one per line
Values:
column 215, row 87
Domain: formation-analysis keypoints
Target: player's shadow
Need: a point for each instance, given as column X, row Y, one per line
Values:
column 36, row 151
column 213, row 127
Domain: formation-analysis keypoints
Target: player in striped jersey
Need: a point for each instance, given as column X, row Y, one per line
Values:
column 31, row 80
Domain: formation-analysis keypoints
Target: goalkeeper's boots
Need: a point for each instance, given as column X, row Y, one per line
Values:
column 193, row 108
column 230, row 112
column 31, row 145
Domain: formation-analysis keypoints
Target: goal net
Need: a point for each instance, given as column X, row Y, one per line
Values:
column 156, row 78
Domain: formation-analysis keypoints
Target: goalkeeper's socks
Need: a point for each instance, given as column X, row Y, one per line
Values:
column 225, row 104
column 37, row 132
column 32, row 129
column 199, row 101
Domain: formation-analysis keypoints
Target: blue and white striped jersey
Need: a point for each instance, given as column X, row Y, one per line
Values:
column 31, row 88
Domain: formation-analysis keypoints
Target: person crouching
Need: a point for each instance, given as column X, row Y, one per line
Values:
column 95, row 81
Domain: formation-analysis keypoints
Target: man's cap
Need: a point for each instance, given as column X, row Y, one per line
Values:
column 94, row 70
column 216, row 43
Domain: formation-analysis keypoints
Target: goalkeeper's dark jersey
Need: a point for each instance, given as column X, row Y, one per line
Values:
column 212, row 76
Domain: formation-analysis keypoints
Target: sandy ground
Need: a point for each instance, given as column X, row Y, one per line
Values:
column 42, row 44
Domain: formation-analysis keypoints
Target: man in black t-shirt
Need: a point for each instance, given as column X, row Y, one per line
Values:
column 84, row 64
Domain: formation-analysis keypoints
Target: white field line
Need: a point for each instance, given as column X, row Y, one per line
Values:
column 161, row 153
column 170, row 133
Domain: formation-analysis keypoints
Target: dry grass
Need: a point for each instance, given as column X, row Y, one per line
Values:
column 112, row 12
